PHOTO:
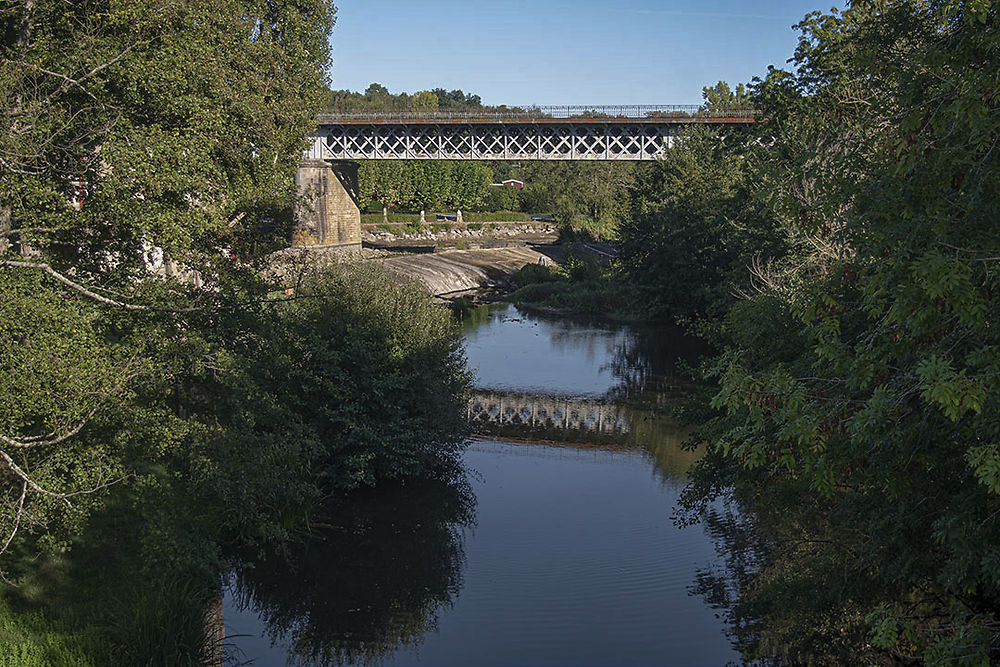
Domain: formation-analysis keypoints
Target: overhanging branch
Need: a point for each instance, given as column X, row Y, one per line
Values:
column 77, row 287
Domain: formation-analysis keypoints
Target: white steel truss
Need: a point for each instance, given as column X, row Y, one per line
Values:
column 613, row 140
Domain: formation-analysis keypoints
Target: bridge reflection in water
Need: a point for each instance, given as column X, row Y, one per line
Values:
column 546, row 413
column 584, row 422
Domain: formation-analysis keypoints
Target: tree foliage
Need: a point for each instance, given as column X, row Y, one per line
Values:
column 378, row 98
column 430, row 185
column 597, row 191
column 695, row 225
column 858, row 383
column 721, row 97
column 150, row 370
column 135, row 137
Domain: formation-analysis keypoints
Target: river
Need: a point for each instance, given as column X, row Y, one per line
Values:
column 557, row 549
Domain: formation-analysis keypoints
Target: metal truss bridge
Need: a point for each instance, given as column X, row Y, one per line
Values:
column 636, row 132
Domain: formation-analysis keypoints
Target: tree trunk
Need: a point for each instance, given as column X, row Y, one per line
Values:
column 4, row 228
column 24, row 31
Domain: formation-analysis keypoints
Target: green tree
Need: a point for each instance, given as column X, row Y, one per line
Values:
column 471, row 184
column 721, row 97
column 378, row 98
column 596, row 191
column 182, row 123
column 386, row 183
column 376, row 90
column 696, row 226
column 424, row 100
column 858, row 386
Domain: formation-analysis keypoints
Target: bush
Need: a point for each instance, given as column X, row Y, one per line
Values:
column 358, row 379
column 376, row 218
column 501, row 199
column 579, row 270
column 530, row 274
column 384, row 364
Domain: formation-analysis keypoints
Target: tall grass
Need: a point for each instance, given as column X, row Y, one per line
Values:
column 162, row 625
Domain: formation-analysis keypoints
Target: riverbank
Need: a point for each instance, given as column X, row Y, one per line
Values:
column 555, row 278
column 560, row 278
column 583, row 280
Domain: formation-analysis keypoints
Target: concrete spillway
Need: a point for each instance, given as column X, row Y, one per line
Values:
column 454, row 271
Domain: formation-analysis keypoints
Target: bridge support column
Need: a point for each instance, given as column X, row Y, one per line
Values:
column 329, row 215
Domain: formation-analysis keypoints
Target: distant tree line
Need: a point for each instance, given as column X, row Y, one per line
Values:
column 378, row 98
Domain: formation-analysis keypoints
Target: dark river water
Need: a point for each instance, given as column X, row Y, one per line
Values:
column 558, row 548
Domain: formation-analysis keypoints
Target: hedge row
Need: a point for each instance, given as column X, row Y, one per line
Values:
column 497, row 216
column 376, row 218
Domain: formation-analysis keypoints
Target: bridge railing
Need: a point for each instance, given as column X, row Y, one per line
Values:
column 570, row 112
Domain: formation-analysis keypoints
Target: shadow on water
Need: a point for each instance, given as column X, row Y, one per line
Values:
column 369, row 583
column 742, row 549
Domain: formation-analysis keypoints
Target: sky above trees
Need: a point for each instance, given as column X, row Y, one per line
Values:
column 562, row 51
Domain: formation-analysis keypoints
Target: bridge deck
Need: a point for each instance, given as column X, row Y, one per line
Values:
column 331, row 119
column 624, row 132
column 601, row 112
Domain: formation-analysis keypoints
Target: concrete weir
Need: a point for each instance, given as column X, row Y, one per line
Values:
column 456, row 271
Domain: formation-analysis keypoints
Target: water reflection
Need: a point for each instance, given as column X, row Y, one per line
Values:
column 574, row 559
column 742, row 549
column 515, row 350
column 584, row 422
column 584, row 381
column 371, row 582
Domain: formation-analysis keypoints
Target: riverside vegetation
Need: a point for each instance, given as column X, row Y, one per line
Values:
column 150, row 426
column 840, row 256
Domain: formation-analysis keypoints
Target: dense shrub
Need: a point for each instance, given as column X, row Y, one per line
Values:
column 530, row 274
column 356, row 380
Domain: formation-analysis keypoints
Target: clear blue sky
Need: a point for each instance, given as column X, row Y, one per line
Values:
column 562, row 51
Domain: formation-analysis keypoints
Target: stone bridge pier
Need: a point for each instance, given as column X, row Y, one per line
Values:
column 328, row 215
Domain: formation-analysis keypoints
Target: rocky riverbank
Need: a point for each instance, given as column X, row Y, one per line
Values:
column 455, row 235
